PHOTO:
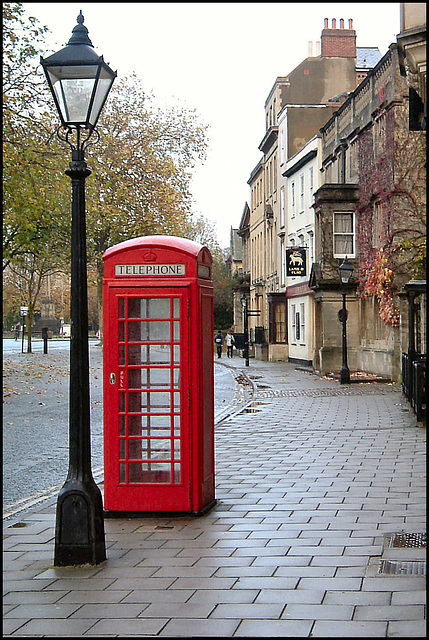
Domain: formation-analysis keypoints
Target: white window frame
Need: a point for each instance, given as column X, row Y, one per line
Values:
column 302, row 320
column 283, row 262
column 282, row 145
column 292, row 198
column 336, row 234
column 293, row 322
column 311, row 246
column 282, row 207
column 301, row 193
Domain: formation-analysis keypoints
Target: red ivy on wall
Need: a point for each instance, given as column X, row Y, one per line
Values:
column 375, row 219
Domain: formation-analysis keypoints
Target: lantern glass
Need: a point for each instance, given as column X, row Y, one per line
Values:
column 102, row 88
column 79, row 79
column 345, row 270
column 80, row 92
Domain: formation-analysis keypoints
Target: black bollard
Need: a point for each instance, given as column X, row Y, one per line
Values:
column 45, row 339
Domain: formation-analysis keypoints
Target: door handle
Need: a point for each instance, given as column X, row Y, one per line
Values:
column 112, row 378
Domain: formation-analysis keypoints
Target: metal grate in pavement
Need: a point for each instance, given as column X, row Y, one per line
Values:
column 403, row 567
column 316, row 393
column 408, row 541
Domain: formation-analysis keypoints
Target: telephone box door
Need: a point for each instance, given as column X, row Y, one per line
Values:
column 147, row 440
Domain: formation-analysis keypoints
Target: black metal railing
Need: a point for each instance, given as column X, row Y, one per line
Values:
column 414, row 382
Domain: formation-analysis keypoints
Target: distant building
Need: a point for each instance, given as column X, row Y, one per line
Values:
column 242, row 279
column 297, row 106
column 302, row 176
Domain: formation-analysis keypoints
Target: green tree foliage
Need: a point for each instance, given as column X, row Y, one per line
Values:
column 141, row 165
column 142, row 169
column 28, row 170
column 223, row 285
column 204, row 232
column 34, row 219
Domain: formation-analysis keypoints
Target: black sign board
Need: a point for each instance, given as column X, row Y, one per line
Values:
column 296, row 262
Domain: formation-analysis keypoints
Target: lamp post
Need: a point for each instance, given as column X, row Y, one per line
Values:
column 79, row 81
column 345, row 270
column 244, row 304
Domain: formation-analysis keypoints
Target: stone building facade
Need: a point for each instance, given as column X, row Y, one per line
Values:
column 297, row 106
column 369, row 208
column 301, row 180
column 367, row 169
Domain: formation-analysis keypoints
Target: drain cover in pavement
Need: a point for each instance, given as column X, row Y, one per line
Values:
column 408, row 540
column 401, row 567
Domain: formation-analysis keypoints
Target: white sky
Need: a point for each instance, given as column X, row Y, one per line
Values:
column 221, row 59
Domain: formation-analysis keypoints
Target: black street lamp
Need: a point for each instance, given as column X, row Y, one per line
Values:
column 246, row 328
column 80, row 81
column 345, row 270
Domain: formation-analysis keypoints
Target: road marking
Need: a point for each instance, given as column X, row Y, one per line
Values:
column 30, row 501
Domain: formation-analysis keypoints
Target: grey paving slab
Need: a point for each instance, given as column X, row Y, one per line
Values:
column 55, row 628
column 265, row 611
column 126, row 627
column 349, row 629
column 274, row 629
column 94, row 597
column 407, row 629
column 211, row 596
column 394, row 583
column 44, row 611
column 318, row 612
column 357, row 597
column 307, row 489
column 110, row 610
column 389, row 612
column 408, row 597
column 195, row 627
column 166, row 596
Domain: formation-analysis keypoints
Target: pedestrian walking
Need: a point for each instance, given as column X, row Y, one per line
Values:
column 17, row 330
column 219, row 343
column 230, row 342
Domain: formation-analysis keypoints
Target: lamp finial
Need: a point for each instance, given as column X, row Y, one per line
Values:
column 80, row 32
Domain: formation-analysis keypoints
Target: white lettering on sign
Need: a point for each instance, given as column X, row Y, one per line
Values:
column 149, row 270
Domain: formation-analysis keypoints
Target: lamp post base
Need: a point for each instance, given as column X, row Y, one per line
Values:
column 344, row 375
column 79, row 533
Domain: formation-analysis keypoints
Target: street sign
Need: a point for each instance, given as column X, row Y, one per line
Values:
column 23, row 311
column 296, row 261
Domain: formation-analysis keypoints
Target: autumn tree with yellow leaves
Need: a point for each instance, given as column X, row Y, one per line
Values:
column 141, row 167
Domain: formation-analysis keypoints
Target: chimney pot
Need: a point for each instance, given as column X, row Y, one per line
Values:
column 338, row 45
column 310, row 49
column 326, row 23
column 350, row 23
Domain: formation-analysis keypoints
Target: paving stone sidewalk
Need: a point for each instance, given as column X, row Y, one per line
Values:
column 315, row 483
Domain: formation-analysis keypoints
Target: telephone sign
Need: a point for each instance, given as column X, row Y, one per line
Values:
column 149, row 270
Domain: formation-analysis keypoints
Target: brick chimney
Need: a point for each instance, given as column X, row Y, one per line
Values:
column 338, row 43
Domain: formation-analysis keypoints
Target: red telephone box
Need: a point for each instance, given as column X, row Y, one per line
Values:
column 158, row 376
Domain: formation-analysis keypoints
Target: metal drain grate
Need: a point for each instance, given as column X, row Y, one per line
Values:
column 401, row 567
column 408, row 541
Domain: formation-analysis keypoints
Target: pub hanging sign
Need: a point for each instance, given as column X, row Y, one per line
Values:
column 296, row 262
